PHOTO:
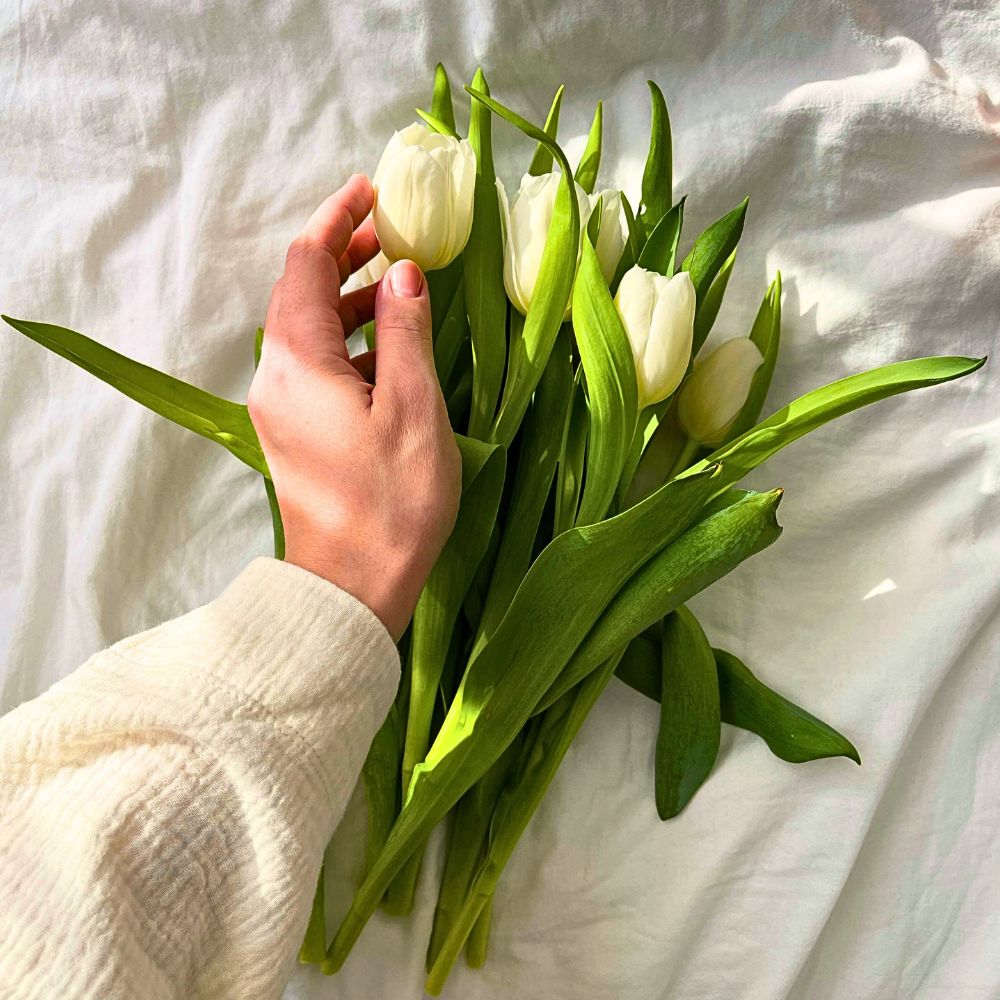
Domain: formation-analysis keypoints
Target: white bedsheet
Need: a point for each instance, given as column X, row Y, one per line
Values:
column 157, row 158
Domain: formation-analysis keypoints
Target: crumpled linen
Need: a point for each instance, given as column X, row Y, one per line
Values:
column 157, row 160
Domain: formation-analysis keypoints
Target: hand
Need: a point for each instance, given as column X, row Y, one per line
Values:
column 364, row 464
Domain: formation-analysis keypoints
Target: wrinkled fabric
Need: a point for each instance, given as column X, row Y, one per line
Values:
column 157, row 161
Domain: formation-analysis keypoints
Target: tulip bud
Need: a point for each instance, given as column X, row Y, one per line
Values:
column 526, row 224
column 423, row 197
column 717, row 390
column 613, row 234
column 658, row 315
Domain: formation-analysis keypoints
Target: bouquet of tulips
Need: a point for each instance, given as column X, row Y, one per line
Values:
column 601, row 456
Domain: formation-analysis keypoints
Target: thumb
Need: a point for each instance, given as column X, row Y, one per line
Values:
column 404, row 354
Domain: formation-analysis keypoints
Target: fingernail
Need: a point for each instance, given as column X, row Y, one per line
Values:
column 406, row 279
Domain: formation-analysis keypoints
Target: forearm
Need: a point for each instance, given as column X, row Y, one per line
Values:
column 164, row 809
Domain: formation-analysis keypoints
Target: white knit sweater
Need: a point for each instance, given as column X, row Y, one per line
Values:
column 164, row 809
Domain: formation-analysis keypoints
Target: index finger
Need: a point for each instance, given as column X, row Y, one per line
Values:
column 332, row 224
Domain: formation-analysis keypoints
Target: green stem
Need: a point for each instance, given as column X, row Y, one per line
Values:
column 479, row 939
column 313, row 949
column 686, row 458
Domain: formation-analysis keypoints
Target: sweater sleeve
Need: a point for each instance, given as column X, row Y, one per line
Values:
column 164, row 809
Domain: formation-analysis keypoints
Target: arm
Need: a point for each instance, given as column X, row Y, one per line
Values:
column 163, row 810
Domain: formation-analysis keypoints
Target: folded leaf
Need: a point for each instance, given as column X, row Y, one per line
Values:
column 451, row 336
column 485, row 298
column 541, row 162
column 220, row 420
column 611, row 385
column 436, row 124
column 660, row 252
column 790, row 732
column 657, row 178
column 590, row 161
column 713, row 248
column 688, row 739
column 822, row 405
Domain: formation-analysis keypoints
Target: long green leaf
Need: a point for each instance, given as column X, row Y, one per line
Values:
column 438, row 608
column 687, row 743
column 451, row 336
column 657, row 177
column 790, row 732
column 552, row 290
column 485, row 299
column 572, row 458
column 541, row 162
column 536, row 464
column 505, row 680
column 220, row 420
column 705, row 553
column 436, row 124
column 590, row 162
column 518, row 803
column 611, row 385
column 712, row 249
column 822, row 405
column 380, row 773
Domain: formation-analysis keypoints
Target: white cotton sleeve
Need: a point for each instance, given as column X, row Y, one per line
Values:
column 164, row 809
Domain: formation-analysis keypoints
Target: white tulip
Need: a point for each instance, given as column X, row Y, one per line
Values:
column 658, row 315
column 526, row 226
column 717, row 390
column 424, row 185
column 613, row 234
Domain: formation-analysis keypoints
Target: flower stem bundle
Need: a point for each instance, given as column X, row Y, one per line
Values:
column 599, row 494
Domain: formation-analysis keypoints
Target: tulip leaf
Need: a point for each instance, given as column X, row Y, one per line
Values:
column 708, row 311
column 536, row 465
column 590, row 161
column 657, row 178
column 659, row 447
column 313, row 947
column 380, row 773
column 572, row 458
column 712, row 249
column 451, row 336
column 442, row 106
column 611, row 385
column 437, row 611
column 687, row 743
column 766, row 334
column 508, row 675
column 552, row 289
column 790, row 732
column 220, row 420
column 485, row 298
column 517, row 803
column 277, row 525
column 705, row 553
column 541, row 162
column 436, row 124
column 442, row 284
column 823, row 405
column 633, row 246
column 660, row 252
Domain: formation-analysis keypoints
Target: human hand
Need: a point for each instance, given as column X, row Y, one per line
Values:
column 362, row 457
